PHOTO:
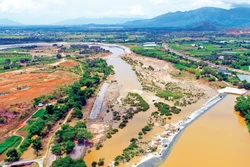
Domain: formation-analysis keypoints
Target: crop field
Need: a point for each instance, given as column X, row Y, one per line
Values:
column 39, row 113
column 9, row 142
column 208, row 49
column 29, row 124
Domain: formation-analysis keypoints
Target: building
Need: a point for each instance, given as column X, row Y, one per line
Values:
column 222, row 70
column 149, row 44
column 244, row 78
column 40, row 105
column 221, row 57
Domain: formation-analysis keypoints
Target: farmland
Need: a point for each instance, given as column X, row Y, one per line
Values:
column 231, row 53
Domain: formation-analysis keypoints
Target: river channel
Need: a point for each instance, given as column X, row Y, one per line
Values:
column 219, row 138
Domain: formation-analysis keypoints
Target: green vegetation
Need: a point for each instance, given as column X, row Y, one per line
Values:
column 30, row 123
column 39, row 113
column 13, row 60
column 200, row 69
column 44, row 119
column 166, row 94
column 243, row 106
column 146, row 129
column 68, row 162
column 111, row 132
column 9, row 142
column 233, row 54
column 12, row 155
column 56, row 149
column 130, row 152
column 68, row 134
column 166, row 110
column 25, row 144
column 100, row 162
column 37, row 144
column 134, row 100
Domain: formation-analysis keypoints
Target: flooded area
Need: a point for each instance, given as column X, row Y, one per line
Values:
column 124, row 73
column 29, row 154
column 218, row 138
column 127, row 78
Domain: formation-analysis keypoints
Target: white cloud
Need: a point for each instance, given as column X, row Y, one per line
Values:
column 214, row 3
column 136, row 10
column 16, row 6
column 157, row 2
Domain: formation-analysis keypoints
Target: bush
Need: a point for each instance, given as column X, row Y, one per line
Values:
column 77, row 113
column 68, row 162
column 56, row 149
column 101, row 162
column 12, row 155
column 69, row 146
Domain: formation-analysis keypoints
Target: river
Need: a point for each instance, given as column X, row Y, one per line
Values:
column 127, row 78
column 219, row 138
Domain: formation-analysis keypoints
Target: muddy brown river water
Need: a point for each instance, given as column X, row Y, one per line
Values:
column 219, row 138
column 127, row 78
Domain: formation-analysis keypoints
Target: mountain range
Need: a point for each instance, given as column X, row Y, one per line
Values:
column 208, row 17
column 82, row 21
column 7, row 22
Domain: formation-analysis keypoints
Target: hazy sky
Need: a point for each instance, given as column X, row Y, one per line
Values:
column 51, row 11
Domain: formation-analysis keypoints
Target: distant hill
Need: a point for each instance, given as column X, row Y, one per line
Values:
column 203, row 18
column 82, row 21
column 7, row 22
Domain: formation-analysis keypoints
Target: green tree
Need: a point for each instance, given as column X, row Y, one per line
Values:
column 80, row 124
column 69, row 146
column 7, row 61
column 77, row 113
column 101, row 162
column 83, row 135
column 37, row 144
column 12, row 155
column 56, row 149
column 94, row 164
column 68, row 162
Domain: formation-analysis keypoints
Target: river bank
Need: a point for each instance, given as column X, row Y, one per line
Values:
column 175, row 132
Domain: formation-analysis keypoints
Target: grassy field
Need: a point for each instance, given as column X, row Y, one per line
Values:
column 13, row 59
column 39, row 113
column 30, row 123
column 13, row 56
column 9, row 142
column 245, row 68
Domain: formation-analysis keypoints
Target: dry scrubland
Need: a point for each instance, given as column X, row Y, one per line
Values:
column 20, row 87
column 161, row 78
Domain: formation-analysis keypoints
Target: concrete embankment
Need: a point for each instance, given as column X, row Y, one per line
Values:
column 98, row 102
column 155, row 159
